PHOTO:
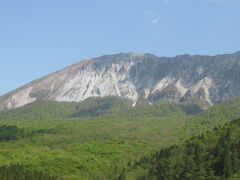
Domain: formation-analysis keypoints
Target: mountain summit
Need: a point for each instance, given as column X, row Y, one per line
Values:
column 210, row 79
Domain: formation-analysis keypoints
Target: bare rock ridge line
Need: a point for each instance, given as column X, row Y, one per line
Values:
column 210, row 79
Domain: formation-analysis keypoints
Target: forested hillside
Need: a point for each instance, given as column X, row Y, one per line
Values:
column 214, row 155
column 17, row 172
column 8, row 133
column 62, row 139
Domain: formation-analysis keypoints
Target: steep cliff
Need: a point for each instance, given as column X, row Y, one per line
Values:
column 209, row 79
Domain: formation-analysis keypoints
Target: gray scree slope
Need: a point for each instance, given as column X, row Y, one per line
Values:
column 210, row 79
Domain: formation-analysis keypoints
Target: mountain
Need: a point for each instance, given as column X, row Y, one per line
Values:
column 145, row 77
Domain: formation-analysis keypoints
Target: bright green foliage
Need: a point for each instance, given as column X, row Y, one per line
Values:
column 40, row 110
column 215, row 116
column 213, row 156
column 66, row 141
column 52, row 110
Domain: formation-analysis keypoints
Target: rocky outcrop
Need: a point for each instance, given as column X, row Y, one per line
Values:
column 211, row 79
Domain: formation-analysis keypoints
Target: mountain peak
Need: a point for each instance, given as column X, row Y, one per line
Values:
column 136, row 76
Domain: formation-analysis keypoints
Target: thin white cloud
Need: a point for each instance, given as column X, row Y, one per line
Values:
column 148, row 13
column 154, row 18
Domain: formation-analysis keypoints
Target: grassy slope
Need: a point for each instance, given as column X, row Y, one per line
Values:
column 91, row 147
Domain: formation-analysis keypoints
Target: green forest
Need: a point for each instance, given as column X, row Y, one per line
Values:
column 212, row 156
column 107, row 138
column 17, row 172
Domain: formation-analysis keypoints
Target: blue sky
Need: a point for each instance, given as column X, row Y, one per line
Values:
column 38, row 37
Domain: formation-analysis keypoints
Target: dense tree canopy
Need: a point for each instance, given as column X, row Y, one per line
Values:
column 213, row 156
column 17, row 172
column 11, row 133
column 104, row 138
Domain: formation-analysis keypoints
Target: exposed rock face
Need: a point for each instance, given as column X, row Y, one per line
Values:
column 211, row 79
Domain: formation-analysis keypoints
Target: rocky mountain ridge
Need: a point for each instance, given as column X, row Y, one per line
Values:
column 210, row 79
